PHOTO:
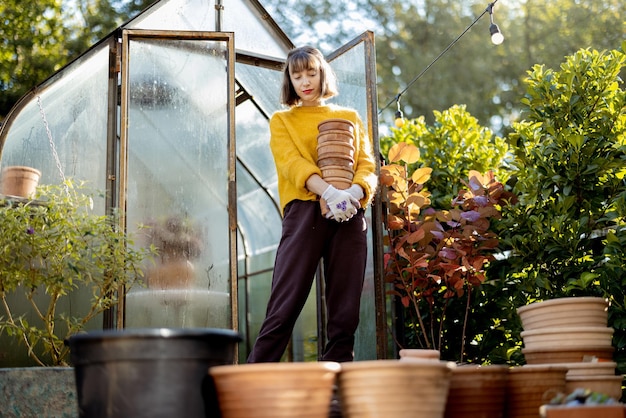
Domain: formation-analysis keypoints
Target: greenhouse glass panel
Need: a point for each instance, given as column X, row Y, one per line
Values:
column 72, row 107
column 254, row 33
column 351, row 70
column 178, row 145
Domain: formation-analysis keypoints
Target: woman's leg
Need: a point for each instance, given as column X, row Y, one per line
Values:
column 297, row 258
column 345, row 259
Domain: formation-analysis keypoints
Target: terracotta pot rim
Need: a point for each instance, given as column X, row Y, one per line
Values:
column 336, row 120
column 530, row 368
column 595, row 377
column 391, row 363
column 274, row 368
column 567, row 330
column 21, row 168
column 561, row 301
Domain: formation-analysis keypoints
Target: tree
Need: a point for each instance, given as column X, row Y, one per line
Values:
column 37, row 38
column 32, row 37
column 410, row 35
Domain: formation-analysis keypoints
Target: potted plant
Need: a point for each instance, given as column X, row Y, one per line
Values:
column 434, row 256
column 566, row 236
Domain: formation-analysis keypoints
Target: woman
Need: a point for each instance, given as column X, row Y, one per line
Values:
column 339, row 237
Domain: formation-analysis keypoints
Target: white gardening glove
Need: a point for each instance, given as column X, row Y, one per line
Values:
column 340, row 203
column 356, row 192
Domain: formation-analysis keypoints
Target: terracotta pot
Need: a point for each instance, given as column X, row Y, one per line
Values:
column 565, row 312
column 172, row 274
column 477, row 391
column 609, row 385
column 338, row 160
column 419, row 353
column 586, row 368
column 567, row 337
column 19, row 181
column 275, row 390
column 336, row 124
column 391, row 388
column 567, row 355
column 340, row 172
column 335, row 136
column 530, row 386
column 335, row 151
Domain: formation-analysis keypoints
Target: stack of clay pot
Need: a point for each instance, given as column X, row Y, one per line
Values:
column 572, row 332
column 335, row 153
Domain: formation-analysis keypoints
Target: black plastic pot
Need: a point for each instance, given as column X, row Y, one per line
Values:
column 156, row 372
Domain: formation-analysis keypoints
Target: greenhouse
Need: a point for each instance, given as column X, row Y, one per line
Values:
column 168, row 118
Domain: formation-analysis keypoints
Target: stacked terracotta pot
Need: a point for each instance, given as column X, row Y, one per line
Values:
column 390, row 388
column 335, row 153
column 573, row 333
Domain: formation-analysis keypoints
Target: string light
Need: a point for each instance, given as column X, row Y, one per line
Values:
column 399, row 121
column 496, row 38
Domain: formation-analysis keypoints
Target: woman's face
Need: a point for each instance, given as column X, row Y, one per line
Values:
column 307, row 85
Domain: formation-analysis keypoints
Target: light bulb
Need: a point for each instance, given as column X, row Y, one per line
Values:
column 399, row 122
column 496, row 36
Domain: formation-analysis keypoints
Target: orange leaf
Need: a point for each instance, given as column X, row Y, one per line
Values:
column 421, row 175
column 404, row 152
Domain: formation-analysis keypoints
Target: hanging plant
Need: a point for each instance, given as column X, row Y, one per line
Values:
column 49, row 248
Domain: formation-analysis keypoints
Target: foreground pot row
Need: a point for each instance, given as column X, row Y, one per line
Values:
column 190, row 372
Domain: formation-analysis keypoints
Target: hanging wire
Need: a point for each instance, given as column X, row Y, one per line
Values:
column 57, row 160
column 396, row 98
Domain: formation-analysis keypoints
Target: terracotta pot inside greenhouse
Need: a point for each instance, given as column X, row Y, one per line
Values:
column 275, row 390
column 19, row 181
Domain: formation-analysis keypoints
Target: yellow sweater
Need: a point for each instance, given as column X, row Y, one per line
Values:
column 294, row 146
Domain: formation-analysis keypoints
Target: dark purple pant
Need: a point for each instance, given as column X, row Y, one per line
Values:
column 308, row 237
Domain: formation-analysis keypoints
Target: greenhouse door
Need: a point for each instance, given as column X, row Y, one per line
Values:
column 177, row 175
column 355, row 67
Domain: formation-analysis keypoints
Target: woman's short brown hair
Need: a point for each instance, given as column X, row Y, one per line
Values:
column 307, row 58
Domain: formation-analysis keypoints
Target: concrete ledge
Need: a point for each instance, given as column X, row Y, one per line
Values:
column 38, row 392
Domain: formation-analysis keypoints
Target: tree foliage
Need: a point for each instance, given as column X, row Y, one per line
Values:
column 488, row 79
column 39, row 37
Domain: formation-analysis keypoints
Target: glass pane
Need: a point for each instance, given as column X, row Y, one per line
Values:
column 178, row 180
column 254, row 34
column 75, row 109
column 263, row 84
column 177, row 15
column 350, row 69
